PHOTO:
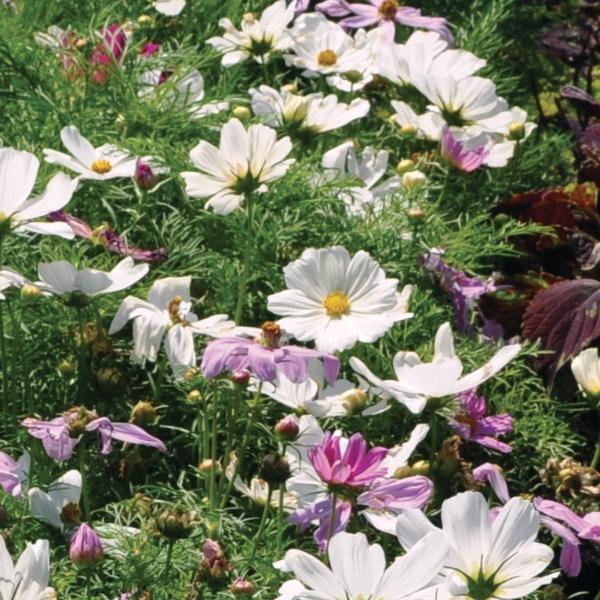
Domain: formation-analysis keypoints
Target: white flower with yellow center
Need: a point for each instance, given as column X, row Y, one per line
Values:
column 257, row 37
column 338, row 300
column 244, row 162
column 19, row 212
column 313, row 113
column 586, row 369
column 322, row 47
column 357, row 571
column 104, row 162
column 487, row 559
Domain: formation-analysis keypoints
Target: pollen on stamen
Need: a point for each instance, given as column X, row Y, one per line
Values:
column 337, row 304
column 327, row 58
column 101, row 166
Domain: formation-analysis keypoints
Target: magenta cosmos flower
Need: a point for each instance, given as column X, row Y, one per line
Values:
column 458, row 155
column 353, row 466
column 385, row 14
column 61, row 435
column 264, row 357
column 472, row 423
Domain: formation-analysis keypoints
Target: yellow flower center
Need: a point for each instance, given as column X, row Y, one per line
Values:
column 101, row 166
column 327, row 58
column 337, row 304
column 388, row 9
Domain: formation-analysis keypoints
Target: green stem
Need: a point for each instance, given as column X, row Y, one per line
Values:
column 169, row 556
column 243, row 445
column 443, row 191
column 263, row 522
column 596, row 458
column 280, row 518
column 232, row 410
column 85, row 488
column 331, row 526
column 3, row 357
column 243, row 282
column 213, row 452
column 81, row 358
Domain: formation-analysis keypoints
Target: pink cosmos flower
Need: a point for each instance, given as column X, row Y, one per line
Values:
column 109, row 51
column 61, row 435
column 149, row 50
column 263, row 357
column 472, row 424
column 458, row 155
column 385, row 14
column 353, row 466
column 10, row 472
column 107, row 237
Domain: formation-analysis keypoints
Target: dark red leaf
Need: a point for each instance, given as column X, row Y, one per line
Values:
column 566, row 318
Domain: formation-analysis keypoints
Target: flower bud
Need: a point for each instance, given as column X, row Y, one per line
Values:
column 516, row 131
column 190, row 374
column 413, row 179
column 144, row 20
column 421, row 467
column 175, row 523
column 149, row 50
column 354, row 400
column 243, row 588
column 242, row 113
column 288, row 428
column 86, row 547
column 290, row 87
column 274, row 469
column 144, row 176
column 402, row 472
column 415, row 214
column 408, row 129
column 66, row 368
column 194, row 396
column 405, row 165
column 240, row 377
column 30, row 291
column 208, row 464
column 143, row 413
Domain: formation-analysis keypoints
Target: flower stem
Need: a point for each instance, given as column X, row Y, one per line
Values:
column 81, row 358
column 280, row 518
column 232, row 410
column 331, row 526
column 3, row 357
column 596, row 458
column 263, row 521
column 85, row 488
column 213, row 453
column 245, row 439
column 243, row 282
column 169, row 556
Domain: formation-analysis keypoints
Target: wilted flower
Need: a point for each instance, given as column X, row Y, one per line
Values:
column 242, row 587
column 214, row 564
column 107, row 237
column 175, row 523
column 567, row 476
column 264, row 357
column 61, row 435
column 86, row 547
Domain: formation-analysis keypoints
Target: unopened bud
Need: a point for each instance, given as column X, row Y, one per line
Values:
column 143, row 413
column 120, row 119
column 408, row 129
column 288, row 428
column 292, row 88
column 415, row 214
column 66, row 368
column 30, row 291
column 516, row 131
column 242, row 113
column 208, row 465
column 354, row 400
column 144, row 20
column 194, row 396
column 405, row 165
column 402, row 472
column 86, row 547
column 243, row 588
column 421, row 467
column 240, row 377
column 413, row 179
column 190, row 374
column 275, row 469
column 144, row 176
column 175, row 523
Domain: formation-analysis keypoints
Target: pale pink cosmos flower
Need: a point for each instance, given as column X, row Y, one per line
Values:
column 385, row 14
column 459, row 155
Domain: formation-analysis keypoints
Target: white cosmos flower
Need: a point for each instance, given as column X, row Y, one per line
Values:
column 256, row 38
column 167, row 314
column 418, row 381
column 322, row 47
column 428, row 125
column 104, row 162
column 586, row 370
column 19, row 212
column 369, row 167
column 316, row 398
column 60, row 505
column 170, row 8
column 487, row 559
column 61, row 277
column 181, row 91
column 244, row 162
column 313, row 113
column 358, row 571
column 28, row 579
column 338, row 300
